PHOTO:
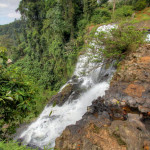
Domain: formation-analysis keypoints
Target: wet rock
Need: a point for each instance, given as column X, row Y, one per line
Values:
column 75, row 79
column 52, row 117
column 62, row 96
column 90, row 109
column 70, row 91
column 106, row 71
column 20, row 141
column 34, row 147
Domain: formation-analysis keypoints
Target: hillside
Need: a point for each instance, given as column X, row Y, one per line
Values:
column 10, row 35
column 63, row 56
column 12, row 29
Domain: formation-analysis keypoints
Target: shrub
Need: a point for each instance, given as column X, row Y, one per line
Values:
column 16, row 96
column 13, row 146
column 125, row 11
column 101, row 2
column 118, row 41
column 82, row 24
column 100, row 16
column 140, row 5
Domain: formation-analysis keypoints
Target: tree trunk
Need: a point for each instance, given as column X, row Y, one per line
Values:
column 114, row 5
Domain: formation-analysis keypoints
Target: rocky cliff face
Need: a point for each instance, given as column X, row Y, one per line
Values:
column 121, row 119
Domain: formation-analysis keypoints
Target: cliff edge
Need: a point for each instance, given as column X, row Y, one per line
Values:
column 121, row 119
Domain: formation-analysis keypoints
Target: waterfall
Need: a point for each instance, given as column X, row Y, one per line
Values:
column 47, row 127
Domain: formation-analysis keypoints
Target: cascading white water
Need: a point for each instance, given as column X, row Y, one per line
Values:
column 148, row 38
column 47, row 128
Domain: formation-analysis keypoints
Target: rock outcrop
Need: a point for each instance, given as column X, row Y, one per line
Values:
column 121, row 119
column 131, row 83
column 71, row 91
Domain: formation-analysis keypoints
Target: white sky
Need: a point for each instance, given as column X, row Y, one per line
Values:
column 7, row 11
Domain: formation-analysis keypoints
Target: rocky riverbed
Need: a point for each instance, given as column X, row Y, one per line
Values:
column 120, row 120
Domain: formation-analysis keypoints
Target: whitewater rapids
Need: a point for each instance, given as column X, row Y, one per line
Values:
column 48, row 127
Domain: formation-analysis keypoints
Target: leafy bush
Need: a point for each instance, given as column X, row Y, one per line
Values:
column 124, row 11
column 118, row 41
column 102, row 2
column 140, row 5
column 16, row 96
column 13, row 146
column 82, row 24
column 100, row 16
column 3, row 58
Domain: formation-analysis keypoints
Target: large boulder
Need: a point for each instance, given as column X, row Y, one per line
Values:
column 61, row 97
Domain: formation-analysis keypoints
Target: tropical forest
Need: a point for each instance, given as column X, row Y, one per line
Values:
column 75, row 75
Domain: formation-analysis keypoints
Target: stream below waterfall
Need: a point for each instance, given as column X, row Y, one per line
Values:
column 48, row 127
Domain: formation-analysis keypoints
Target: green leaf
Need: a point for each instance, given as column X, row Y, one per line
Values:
column 1, row 60
column 50, row 113
column 9, row 98
column 17, row 97
column 20, row 98
column 8, row 93
column 24, row 106
column 54, row 104
column 1, row 99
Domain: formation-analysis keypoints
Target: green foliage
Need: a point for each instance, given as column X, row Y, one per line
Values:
column 102, row 2
column 7, row 42
column 148, row 2
column 47, row 47
column 13, row 146
column 88, row 7
column 3, row 57
column 123, row 12
column 16, row 96
column 100, row 16
column 48, row 52
column 118, row 41
column 44, row 47
column 11, row 35
column 82, row 24
column 12, row 29
column 140, row 5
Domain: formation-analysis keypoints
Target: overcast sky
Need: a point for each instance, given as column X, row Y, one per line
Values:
column 7, row 11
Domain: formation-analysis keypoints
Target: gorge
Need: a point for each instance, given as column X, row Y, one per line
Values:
column 75, row 75
column 90, row 80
